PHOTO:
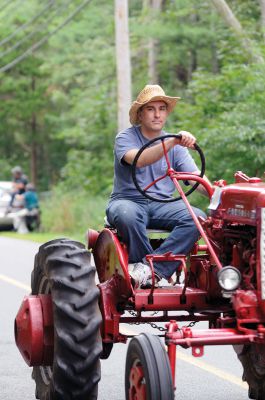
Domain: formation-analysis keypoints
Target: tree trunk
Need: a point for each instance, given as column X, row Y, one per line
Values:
column 123, row 63
column 33, row 144
column 213, row 46
column 192, row 52
column 215, row 63
column 152, row 61
column 262, row 6
column 33, row 155
column 153, row 78
column 248, row 45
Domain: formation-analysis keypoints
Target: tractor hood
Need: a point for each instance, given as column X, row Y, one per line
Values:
column 238, row 202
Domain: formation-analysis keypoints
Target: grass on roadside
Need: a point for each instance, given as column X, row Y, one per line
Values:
column 72, row 212
column 42, row 237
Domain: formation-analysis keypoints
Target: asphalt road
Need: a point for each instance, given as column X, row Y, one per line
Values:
column 217, row 375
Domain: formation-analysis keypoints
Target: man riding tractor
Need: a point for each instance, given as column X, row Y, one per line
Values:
column 128, row 210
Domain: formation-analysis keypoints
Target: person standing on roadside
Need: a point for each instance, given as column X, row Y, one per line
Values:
column 30, row 209
column 19, row 181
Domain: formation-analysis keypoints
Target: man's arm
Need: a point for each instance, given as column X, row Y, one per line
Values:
column 201, row 189
column 154, row 153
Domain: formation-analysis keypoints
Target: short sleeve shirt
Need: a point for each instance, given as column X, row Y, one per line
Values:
column 31, row 200
column 123, row 186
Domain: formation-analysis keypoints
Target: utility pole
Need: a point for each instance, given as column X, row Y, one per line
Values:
column 123, row 63
column 153, row 43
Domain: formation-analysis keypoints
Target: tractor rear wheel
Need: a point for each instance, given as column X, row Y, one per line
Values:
column 63, row 270
column 148, row 374
column 252, row 358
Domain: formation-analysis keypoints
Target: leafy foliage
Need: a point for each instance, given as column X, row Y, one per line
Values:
column 231, row 119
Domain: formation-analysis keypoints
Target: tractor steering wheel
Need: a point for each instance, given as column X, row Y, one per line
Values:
column 143, row 191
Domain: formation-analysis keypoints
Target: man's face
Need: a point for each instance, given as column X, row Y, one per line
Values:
column 153, row 116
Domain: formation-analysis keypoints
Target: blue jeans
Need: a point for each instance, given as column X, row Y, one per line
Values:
column 132, row 218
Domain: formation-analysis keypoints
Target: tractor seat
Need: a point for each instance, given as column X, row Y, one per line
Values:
column 149, row 231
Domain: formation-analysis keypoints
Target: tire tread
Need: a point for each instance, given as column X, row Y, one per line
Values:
column 65, row 265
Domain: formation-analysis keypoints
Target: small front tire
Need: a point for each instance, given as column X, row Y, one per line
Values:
column 148, row 374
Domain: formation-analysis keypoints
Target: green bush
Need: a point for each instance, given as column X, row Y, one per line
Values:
column 72, row 212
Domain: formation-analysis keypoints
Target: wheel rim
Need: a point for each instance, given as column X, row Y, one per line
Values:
column 137, row 390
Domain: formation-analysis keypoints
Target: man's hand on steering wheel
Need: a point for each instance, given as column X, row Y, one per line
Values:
column 187, row 139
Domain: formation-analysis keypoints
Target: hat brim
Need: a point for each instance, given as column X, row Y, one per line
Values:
column 133, row 113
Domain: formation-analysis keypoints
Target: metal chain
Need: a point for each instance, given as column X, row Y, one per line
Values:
column 152, row 324
column 155, row 326
column 191, row 324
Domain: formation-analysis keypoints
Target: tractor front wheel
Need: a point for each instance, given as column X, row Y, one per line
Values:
column 147, row 373
column 63, row 270
column 252, row 358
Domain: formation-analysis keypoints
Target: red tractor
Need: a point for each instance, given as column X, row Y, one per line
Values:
column 69, row 323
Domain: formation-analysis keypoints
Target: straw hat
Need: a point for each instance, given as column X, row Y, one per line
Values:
column 148, row 94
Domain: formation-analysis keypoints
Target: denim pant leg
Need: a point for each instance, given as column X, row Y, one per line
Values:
column 13, row 195
column 130, row 220
column 184, row 233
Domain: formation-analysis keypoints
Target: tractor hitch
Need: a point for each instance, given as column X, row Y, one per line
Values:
column 198, row 338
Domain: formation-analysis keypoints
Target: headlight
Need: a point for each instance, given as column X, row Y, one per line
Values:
column 229, row 278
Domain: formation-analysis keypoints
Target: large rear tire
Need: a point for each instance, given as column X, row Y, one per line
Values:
column 252, row 358
column 148, row 374
column 63, row 269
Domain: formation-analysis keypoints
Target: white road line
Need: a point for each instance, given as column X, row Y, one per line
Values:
column 211, row 369
column 14, row 282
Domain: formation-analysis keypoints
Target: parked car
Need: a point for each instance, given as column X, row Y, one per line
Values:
column 5, row 196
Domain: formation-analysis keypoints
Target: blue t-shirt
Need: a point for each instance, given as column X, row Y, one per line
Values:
column 123, row 186
column 31, row 200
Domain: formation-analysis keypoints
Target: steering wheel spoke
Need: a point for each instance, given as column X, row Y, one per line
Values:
column 154, row 182
column 185, row 176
